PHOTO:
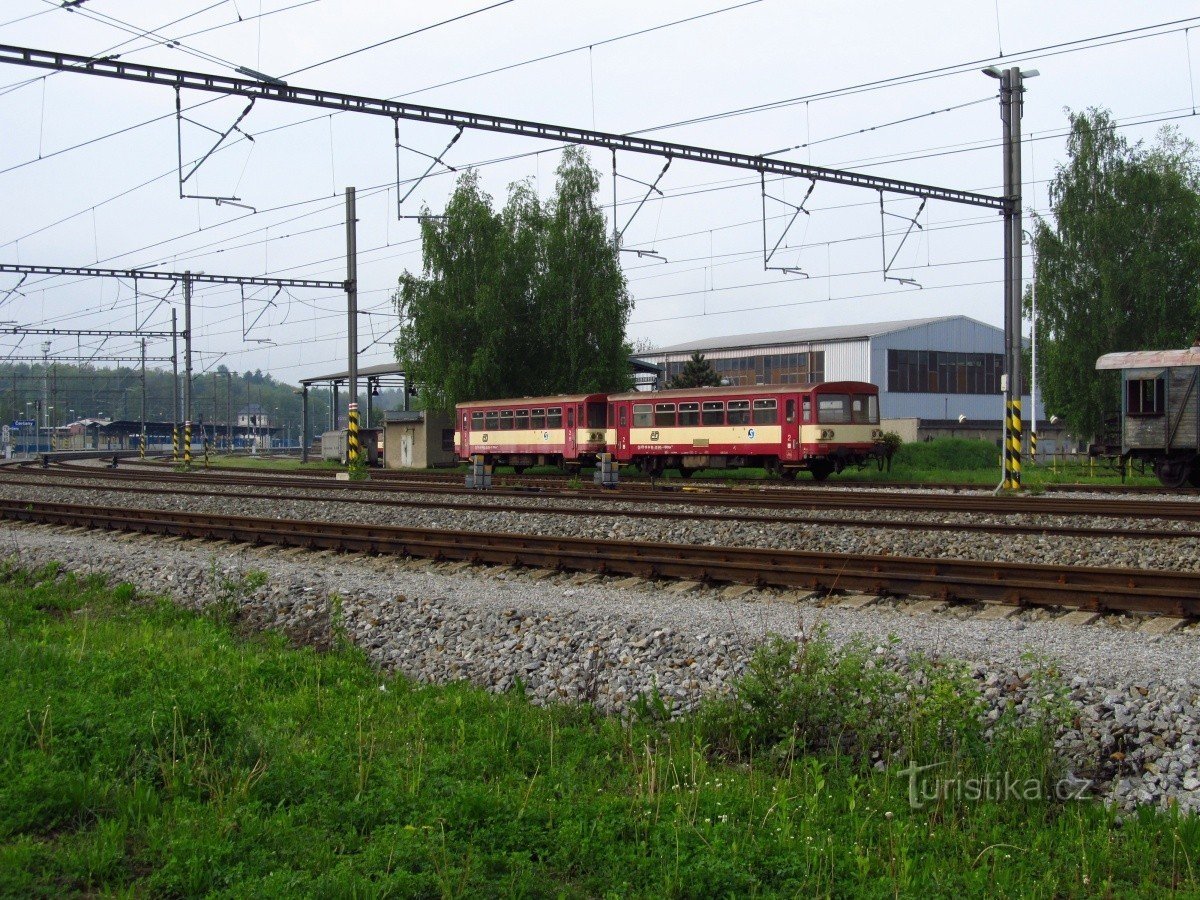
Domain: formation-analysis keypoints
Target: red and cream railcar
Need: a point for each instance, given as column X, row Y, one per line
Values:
column 532, row 431
column 821, row 428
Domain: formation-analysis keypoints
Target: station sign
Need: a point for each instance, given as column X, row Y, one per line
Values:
column 23, row 423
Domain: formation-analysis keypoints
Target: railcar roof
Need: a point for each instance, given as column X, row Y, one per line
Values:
column 529, row 401
column 734, row 390
column 1145, row 359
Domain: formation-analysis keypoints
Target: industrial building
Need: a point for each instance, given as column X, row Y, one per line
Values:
column 936, row 376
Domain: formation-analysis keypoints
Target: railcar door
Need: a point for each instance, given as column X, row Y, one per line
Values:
column 571, row 447
column 464, row 435
column 790, row 427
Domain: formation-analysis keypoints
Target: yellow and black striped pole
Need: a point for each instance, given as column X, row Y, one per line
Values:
column 174, row 443
column 142, row 445
column 352, row 449
column 1033, row 446
column 187, row 444
column 1014, row 447
column 205, row 449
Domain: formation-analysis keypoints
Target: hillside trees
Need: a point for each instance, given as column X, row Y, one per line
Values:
column 1118, row 268
column 522, row 301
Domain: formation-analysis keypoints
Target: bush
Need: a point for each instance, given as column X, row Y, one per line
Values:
column 811, row 697
column 952, row 454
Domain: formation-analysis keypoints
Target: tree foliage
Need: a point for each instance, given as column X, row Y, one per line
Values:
column 1119, row 267
column 522, row 301
column 697, row 372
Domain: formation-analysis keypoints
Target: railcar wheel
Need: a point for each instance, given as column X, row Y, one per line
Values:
column 519, row 470
column 788, row 474
column 1173, row 472
column 1194, row 474
column 820, row 470
column 686, row 473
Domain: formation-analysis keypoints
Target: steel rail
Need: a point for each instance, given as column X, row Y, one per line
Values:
column 758, row 498
column 1103, row 589
column 673, row 514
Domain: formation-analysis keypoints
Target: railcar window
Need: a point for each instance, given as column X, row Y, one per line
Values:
column 521, row 420
column 713, row 413
column 477, row 421
column 491, row 421
column 506, row 420
column 664, row 415
column 554, row 417
column 622, row 416
column 808, row 409
column 739, row 412
column 689, row 414
column 570, row 417
column 643, row 415
column 537, row 418
column 864, row 409
column 1145, row 396
column 595, row 415
column 791, row 409
column 833, row 409
column 766, row 412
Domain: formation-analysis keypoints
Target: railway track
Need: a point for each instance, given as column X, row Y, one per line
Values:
column 639, row 482
column 1178, row 510
column 1100, row 589
column 308, row 495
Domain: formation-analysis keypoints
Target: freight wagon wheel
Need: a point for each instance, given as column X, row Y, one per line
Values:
column 1173, row 472
column 1194, row 474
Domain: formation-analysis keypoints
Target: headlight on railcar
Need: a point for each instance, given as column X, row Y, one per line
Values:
column 876, row 434
column 827, row 434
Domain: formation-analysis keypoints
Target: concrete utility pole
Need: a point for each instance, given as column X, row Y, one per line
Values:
column 142, row 438
column 187, row 346
column 1012, row 91
column 45, row 395
column 351, row 317
column 174, row 378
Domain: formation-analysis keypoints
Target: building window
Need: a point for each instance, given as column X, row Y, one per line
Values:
column 1145, row 396
column 944, row 372
column 447, row 440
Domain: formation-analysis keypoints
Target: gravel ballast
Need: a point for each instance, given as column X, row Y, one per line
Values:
column 1179, row 554
column 1137, row 695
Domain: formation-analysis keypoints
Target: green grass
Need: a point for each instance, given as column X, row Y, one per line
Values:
column 151, row 751
column 275, row 464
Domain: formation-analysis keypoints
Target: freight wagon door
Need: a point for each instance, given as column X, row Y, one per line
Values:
column 571, row 447
column 790, row 431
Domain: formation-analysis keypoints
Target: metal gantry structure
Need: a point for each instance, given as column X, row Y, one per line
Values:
column 187, row 279
column 1009, row 205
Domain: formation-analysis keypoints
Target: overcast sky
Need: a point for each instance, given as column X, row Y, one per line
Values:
column 115, row 202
